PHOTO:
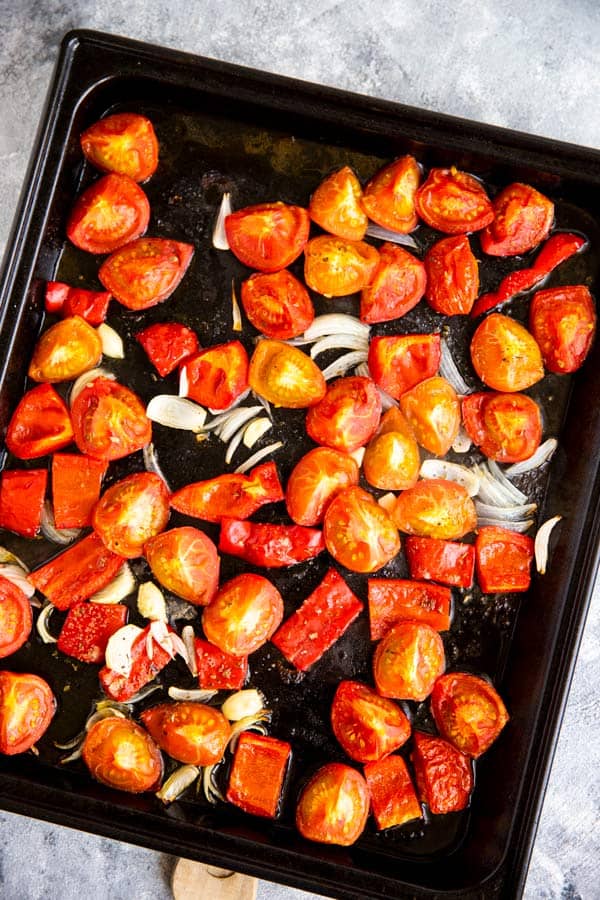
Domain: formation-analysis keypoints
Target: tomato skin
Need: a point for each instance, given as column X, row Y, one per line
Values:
column 408, row 660
column 563, row 322
column 65, row 351
column 273, row 546
column 452, row 276
column 315, row 480
column 396, row 287
column 453, row 202
column 109, row 420
column 231, row 495
column 15, row 617
column 468, row 712
column 393, row 599
column 277, row 304
column 243, row 615
column 505, row 355
column 267, row 236
column 217, row 376
column 189, row 732
column 87, row 629
column 506, row 427
column 109, row 214
column 336, row 267
column 437, row 560
column 27, row 705
column 347, row 416
column 285, row 376
column 123, row 142
column 503, row 560
column 522, row 219
column 146, row 271
column 130, row 512
column 22, row 493
column 121, row 754
column 435, row 508
column 389, row 197
column 444, row 775
column 258, row 773
column 391, row 461
column 393, row 797
column 185, row 561
column 399, row 362
column 334, row 806
column 336, row 205
column 367, row 726
column 432, row 409
column 358, row 533
column 167, row 344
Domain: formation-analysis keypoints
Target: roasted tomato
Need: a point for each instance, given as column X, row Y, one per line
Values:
column 358, row 533
column 277, row 304
column 396, row 287
column 505, row 355
column 257, row 774
column 185, row 561
column 335, row 267
column 347, row 416
column 315, row 480
column 468, row 712
column 393, row 599
column 437, row 560
column 393, row 797
column 146, row 271
column 389, row 197
column 167, row 344
column 272, row 546
column 268, row 236
column 408, row 660
column 285, row 376
column 109, row 420
column 506, row 427
column 26, row 708
column 125, row 143
column 191, row 733
column 121, row 755
column 246, row 611
column 503, row 560
column 22, row 495
column 71, row 301
column 367, row 726
column 454, row 202
column 15, row 617
column 110, row 213
column 400, row 361
column 522, row 219
column 130, row 512
column 432, row 409
column 336, row 206
column 65, row 351
column 452, row 276
column 444, row 774
column 216, row 377
column 334, row 806
column 39, row 425
column 435, row 508
column 231, row 494
column 563, row 322
column 391, row 461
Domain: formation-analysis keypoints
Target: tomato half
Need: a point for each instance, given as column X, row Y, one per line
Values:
column 65, row 351
column 146, row 271
column 452, row 276
column 285, row 376
column 444, row 775
column 15, row 617
column 503, row 560
column 407, row 661
column 391, row 461
column 468, row 712
column 185, row 561
column 397, row 285
column 130, row 512
column 231, row 494
column 334, row 806
column 435, row 508
column 367, row 726
column 27, row 705
column 454, row 202
column 39, row 425
column 121, row 755
column 505, row 355
column 315, row 480
column 167, row 344
column 109, row 420
column 217, row 376
column 432, row 409
column 268, row 236
column 400, row 361
column 336, row 205
column 347, row 416
column 358, row 533
column 277, row 304
column 110, row 213
column 335, row 267
column 506, row 427
column 522, row 219
column 563, row 322
column 123, row 142
column 243, row 615
column 191, row 733
column 389, row 197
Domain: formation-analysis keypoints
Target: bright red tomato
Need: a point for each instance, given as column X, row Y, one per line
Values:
column 191, row 733
column 27, row 705
column 506, row 427
column 110, row 213
column 396, row 286
column 468, row 712
column 452, row 276
column 39, row 425
column 146, row 271
column 336, row 206
column 435, row 508
column 334, row 806
column 15, row 617
column 407, row 661
column 285, row 376
column 563, row 322
column 277, row 304
column 335, row 267
column 243, row 615
column 167, row 344
column 400, row 361
column 444, row 774
column 231, row 494
column 123, row 142
column 454, row 202
column 522, row 219
column 65, row 351
column 120, row 754
column 216, row 377
column 314, row 482
column 130, row 512
column 432, row 409
column 347, row 416
column 268, row 236
column 185, row 561
column 389, row 197
column 505, row 355
column 358, row 533
column 367, row 726
column 109, row 420
column 503, row 560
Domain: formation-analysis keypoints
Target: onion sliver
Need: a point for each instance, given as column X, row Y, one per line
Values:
column 189, row 639
column 256, row 457
column 178, row 782
column 387, row 501
column 118, row 649
column 363, row 369
column 496, row 492
column 440, row 468
column 358, row 455
column 62, row 536
column 255, row 429
column 176, row 412
column 462, row 441
column 450, row 371
column 521, row 526
column 542, row 540
column 233, row 444
column 18, row 576
column 219, row 236
column 122, row 585
column 151, row 602
column 86, row 379
column 497, row 473
column 225, row 426
column 543, row 453
column 42, row 625
column 393, row 237
column 211, row 791
column 195, row 694
column 508, row 513
column 151, row 463
column 344, row 363
column 340, row 342
column 111, row 340
column 336, row 323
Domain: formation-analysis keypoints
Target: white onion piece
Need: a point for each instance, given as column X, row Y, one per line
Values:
column 393, row 237
column 178, row 782
column 18, row 576
column 196, row 695
column 450, row 371
column 336, row 323
column 387, row 501
column 344, row 363
column 151, row 602
column 111, row 340
column 184, row 384
column 358, row 455
column 255, row 429
column 211, row 791
column 249, row 723
column 440, row 468
column 118, row 649
column 543, row 453
column 256, row 457
column 122, row 585
column 233, row 444
column 226, row 425
column 151, row 463
column 363, row 370
column 521, row 526
column 462, row 441
column 508, row 513
column 219, row 235
column 62, row 536
column 166, row 639
column 264, row 403
column 540, row 545
column 340, row 342
column 387, row 401
column 42, row 625
column 243, row 704
column 143, row 693
column 497, row 473
column 236, row 313
column 176, row 412
column 87, row 378
column 495, row 492
column 189, row 639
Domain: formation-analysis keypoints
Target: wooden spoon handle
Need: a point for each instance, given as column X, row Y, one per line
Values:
column 199, row 881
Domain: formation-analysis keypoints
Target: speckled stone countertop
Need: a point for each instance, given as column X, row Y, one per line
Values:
column 533, row 67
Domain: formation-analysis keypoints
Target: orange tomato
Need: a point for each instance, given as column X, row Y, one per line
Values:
column 315, row 480
column 125, row 143
column 109, row 420
column 285, row 376
column 505, row 355
column 397, row 362
column 185, row 561
column 268, row 236
column 191, row 733
column 407, row 661
column 146, row 271
column 65, row 351
column 468, row 712
column 452, row 276
column 243, row 615
column 454, row 202
column 389, row 197
column 15, row 617
column 563, row 322
column 506, row 427
column 335, row 267
column 334, row 806
column 277, row 304
column 121, row 755
column 347, row 416
column 358, row 533
column 336, row 205
column 432, row 409
column 522, row 219
column 130, row 512
column 391, row 461
column 367, row 726
column 27, row 705
column 110, row 213
column 435, row 508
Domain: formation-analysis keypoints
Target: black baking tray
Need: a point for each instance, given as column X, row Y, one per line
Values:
column 265, row 137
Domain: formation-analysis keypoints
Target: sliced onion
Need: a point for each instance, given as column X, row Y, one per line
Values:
column 195, row 694
column 167, row 640
column 122, row 585
column 340, row 342
column 177, row 783
column 462, row 441
column 541, row 543
column 143, row 693
column 62, row 536
column 521, row 526
column 363, row 370
column 112, row 343
column 226, row 425
column 189, row 639
column 107, row 713
column 151, row 602
column 543, row 453
column 243, row 704
column 233, row 444
column 335, row 323
column 87, row 378
column 211, row 791
column 18, row 576
column 497, row 473
column 184, row 384
column 236, row 313
column 42, row 624
column 450, row 371
column 255, row 429
column 264, row 403
column 176, row 412
column 256, row 457
column 249, row 723
column 393, row 237
column 344, row 363
column 440, row 468
column 118, row 649
column 495, row 492
column 387, row 501
column 151, row 463
column 505, row 513
column 238, row 400
column 219, row 235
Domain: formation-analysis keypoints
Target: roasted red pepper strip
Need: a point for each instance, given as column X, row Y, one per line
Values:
column 230, row 495
column 503, row 560
column 70, row 301
column 76, row 483
column 392, row 599
column 88, row 627
column 319, row 622
column 217, row 670
column 444, row 774
column 393, row 797
column 143, row 669
column 257, row 774
column 40, row 424
column 450, row 562
column 274, row 546
column 167, row 344
column 22, row 493
column 556, row 250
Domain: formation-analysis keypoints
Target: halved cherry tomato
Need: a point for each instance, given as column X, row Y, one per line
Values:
column 15, row 617
column 231, row 494
column 87, row 629
column 121, row 755
column 396, row 287
column 435, row 508
column 191, row 733
column 146, row 271
column 452, row 276
column 393, row 599
column 393, row 797
column 277, row 304
column 243, row 615
column 444, row 775
column 400, row 361
column 367, row 726
column 468, row 712
column 505, row 355
column 347, row 416
column 391, row 461
column 131, row 512
column 185, row 561
column 76, row 483
column 65, row 351
column 358, row 533
column 285, row 376
column 123, row 142
column 336, row 206
column 217, row 670
column 148, row 658
column 335, row 267
column 432, row 409
column 39, row 425
column 257, row 774
column 218, row 375
column 273, row 546
column 454, row 202
column 407, row 661
column 27, row 705
column 22, row 493
column 70, row 301
column 389, row 197
column 315, row 480
column 522, row 219
column 506, row 427
column 109, row 420
column 503, row 560
column 563, row 322
column 110, row 213
column 167, row 344
column 334, row 806
column 437, row 560
column 268, row 236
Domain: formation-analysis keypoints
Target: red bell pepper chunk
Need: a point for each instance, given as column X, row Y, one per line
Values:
column 231, row 495
column 76, row 483
column 218, row 670
column 167, row 344
column 393, row 797
column 143, row 669
column 450, row 562
column 88, row 627
column 319, row 622
column 274, row 546
column 22, row 493
column 257, row 774
column 503, row 560
column 40, row 424
column 77, row 573
column 71, row 301
column 392, row 599
column 444, row 774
